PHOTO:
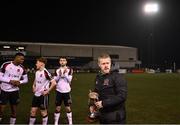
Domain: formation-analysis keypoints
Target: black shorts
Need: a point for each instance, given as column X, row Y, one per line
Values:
column 66, row 97
column 40, row 102
column 12, row 97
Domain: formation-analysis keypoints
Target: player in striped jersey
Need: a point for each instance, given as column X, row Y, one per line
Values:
column 12, row 74
column 63, row 77
column 41, row 88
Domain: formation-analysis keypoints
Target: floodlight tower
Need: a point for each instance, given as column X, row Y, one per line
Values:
column 151, row 9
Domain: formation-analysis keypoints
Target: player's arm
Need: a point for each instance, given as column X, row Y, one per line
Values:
column 8, row 81
column 69, row 78
column 53, row 84
column 24, row 79
column 3, row 79
column 34, row 87
column 56, row 76
column 2, row 71
column 69, row 75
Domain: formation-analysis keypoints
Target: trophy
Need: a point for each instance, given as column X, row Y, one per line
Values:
column 93, row 97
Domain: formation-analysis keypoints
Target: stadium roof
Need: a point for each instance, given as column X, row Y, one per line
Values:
column 60, row 44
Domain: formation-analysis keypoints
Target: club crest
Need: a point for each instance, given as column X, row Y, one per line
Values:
column 106, row 82
column 96, row 82
column 18, row 70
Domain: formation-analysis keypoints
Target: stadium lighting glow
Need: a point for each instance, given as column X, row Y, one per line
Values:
column 151, row 8
column 6, row 47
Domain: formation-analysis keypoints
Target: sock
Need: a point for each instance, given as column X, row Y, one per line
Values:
column 69, row 115
column 0, row 119
column 32, row 120
column 45, row 120
column 56, row 118
column 12, row 121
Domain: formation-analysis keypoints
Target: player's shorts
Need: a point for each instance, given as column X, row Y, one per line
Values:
column 60, row 97
column 11, row 97
column 40, row 102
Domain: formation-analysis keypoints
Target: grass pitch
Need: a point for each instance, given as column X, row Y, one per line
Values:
column 152, row 98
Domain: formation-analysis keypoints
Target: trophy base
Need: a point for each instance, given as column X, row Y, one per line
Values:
column 92, row 117
column 91, row 120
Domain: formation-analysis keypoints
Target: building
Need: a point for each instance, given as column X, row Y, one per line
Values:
column 79, row 55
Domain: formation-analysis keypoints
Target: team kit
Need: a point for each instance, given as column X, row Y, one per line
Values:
column 13, row 74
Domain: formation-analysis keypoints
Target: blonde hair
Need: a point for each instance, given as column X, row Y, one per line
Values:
column 103, row 56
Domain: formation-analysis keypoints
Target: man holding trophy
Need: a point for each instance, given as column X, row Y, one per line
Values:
column 109, row 95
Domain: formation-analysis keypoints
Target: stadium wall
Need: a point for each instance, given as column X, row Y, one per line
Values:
column 122, row 56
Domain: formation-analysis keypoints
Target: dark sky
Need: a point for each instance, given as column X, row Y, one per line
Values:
column 113, row 22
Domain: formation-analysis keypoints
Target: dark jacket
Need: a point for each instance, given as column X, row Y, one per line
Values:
column 112, row 90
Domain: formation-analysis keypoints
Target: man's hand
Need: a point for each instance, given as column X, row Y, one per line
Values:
column 62, row 75
column 65, row 70
column 33, row 89
column 14, row 82
column 45, row 92
column 99, row 104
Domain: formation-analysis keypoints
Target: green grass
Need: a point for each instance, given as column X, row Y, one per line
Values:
column 152, row 98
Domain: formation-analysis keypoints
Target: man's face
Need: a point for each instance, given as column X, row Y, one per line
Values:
column 39, row 64
column 105, row 65
column 19, row 59
column 62, row 62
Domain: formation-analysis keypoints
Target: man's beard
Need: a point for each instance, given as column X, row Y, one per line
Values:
column 63, row 65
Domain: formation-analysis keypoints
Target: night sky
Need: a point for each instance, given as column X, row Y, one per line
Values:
column 112, row 22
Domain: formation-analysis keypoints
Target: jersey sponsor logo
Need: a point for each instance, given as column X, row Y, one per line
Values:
column 18, row 70
column 106, row 82
column 39, row 82
column 14, row 76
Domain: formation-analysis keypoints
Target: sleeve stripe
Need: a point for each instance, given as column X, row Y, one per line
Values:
column 47, row 75
column 24, row 70
column 3, row 66
column 70, row 71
